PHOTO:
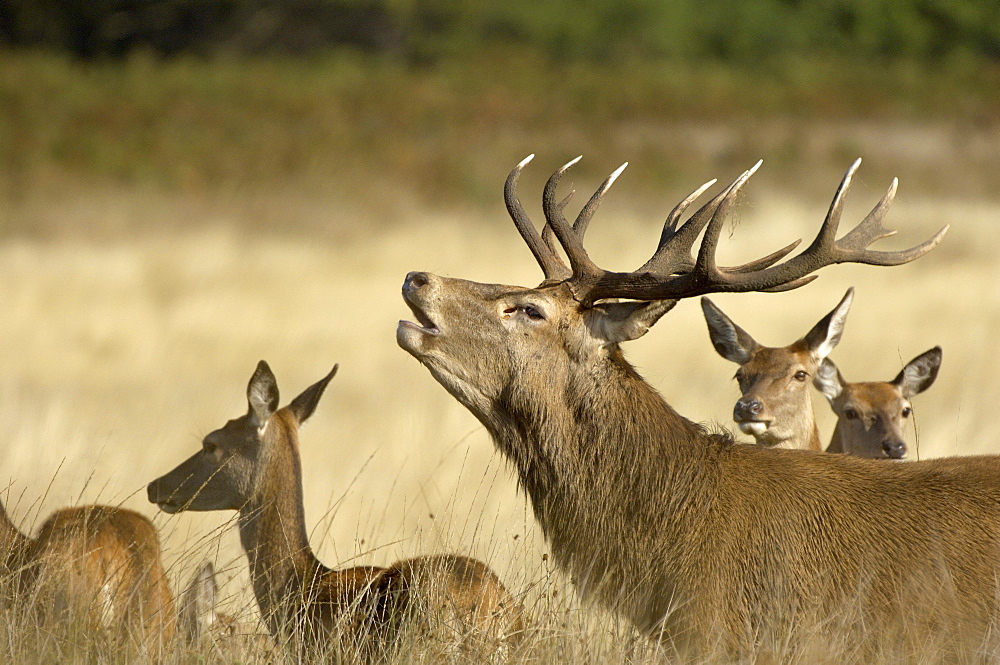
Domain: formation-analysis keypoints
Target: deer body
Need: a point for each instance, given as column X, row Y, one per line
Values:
column 698, row 541
column 252, row 465
column 97, row 566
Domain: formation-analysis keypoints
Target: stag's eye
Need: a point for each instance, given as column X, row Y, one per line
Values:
column 801, row 375
column 850, row 414
column 529, row 311
column 533, row 313
column 210, row 448
column 907, row 411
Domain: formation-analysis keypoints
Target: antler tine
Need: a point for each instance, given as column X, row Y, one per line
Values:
column 705, row 264
column 673, row 253
column 827, row 235
column 670, row 225
column 871, row 229
column 550, row 263
column 569, row 238
column 583, row 219
column 766, row 261
column 548, row 236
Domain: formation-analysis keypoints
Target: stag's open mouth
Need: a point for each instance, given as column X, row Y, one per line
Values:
column 425, row 325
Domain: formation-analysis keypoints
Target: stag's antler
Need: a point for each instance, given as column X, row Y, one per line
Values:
column 672, row 271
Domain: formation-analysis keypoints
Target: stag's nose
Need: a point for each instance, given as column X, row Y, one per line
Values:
column 415, row 281
column 747, row 409
column 894, row 449
column 152, row 491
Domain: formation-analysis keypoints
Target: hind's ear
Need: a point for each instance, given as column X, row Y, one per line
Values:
column 262, row 394
column 919, row 373
column 826, row 334
column 304, row 405
column 730, row 341
column 197, row 602
column 828, row 380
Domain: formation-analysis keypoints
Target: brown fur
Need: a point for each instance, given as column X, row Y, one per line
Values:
column 96, row 566
column 252, row 465
column 701, row 542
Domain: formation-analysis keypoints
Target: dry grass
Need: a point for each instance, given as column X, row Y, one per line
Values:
column 119, row 354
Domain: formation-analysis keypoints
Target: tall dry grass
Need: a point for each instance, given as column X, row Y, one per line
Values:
column 119, row 356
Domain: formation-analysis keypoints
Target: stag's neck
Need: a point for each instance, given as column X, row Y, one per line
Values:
column 605, row 454
column 599, row 449
column 13, row 544
column 273, row 534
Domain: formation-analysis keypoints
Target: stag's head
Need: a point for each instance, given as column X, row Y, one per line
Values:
column 491, row 344
column 775, row 405
column 229, row 469
column 872, row 415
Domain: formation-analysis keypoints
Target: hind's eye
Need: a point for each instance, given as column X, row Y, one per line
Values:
column 801, row 375
column 850, row 414
column 907, row 411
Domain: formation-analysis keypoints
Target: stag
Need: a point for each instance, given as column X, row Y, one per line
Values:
column 871, row 415
column 776, row 403
column 95, row 568
column 700, row 542
column 252, row 465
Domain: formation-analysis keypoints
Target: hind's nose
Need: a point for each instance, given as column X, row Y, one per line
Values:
column 894, row 449
column 747, row 409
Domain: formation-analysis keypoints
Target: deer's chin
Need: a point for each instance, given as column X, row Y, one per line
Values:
column 169, row 508
column 753, row 427
column 413, row 337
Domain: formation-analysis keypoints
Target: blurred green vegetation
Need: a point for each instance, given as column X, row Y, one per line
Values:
column 428, row 30
column 387, row 105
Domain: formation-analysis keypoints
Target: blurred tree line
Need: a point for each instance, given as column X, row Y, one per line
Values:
column 421, row 31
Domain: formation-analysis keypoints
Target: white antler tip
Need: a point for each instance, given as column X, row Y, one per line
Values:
column 753, row 169
column 524, row 162
column 565, row 167
column 614, row 176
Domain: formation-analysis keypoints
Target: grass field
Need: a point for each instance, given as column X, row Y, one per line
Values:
column 134, row 315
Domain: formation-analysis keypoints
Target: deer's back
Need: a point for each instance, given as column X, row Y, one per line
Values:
column 447, row 600
column 103, row 564
column 801, row 536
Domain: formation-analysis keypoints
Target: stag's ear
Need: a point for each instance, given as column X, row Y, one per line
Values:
column 919, row 373
column 828, row 380
column 826, row 334
column 262, row 394
column 617, row 322
column 731, row 341
column 304, row 405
